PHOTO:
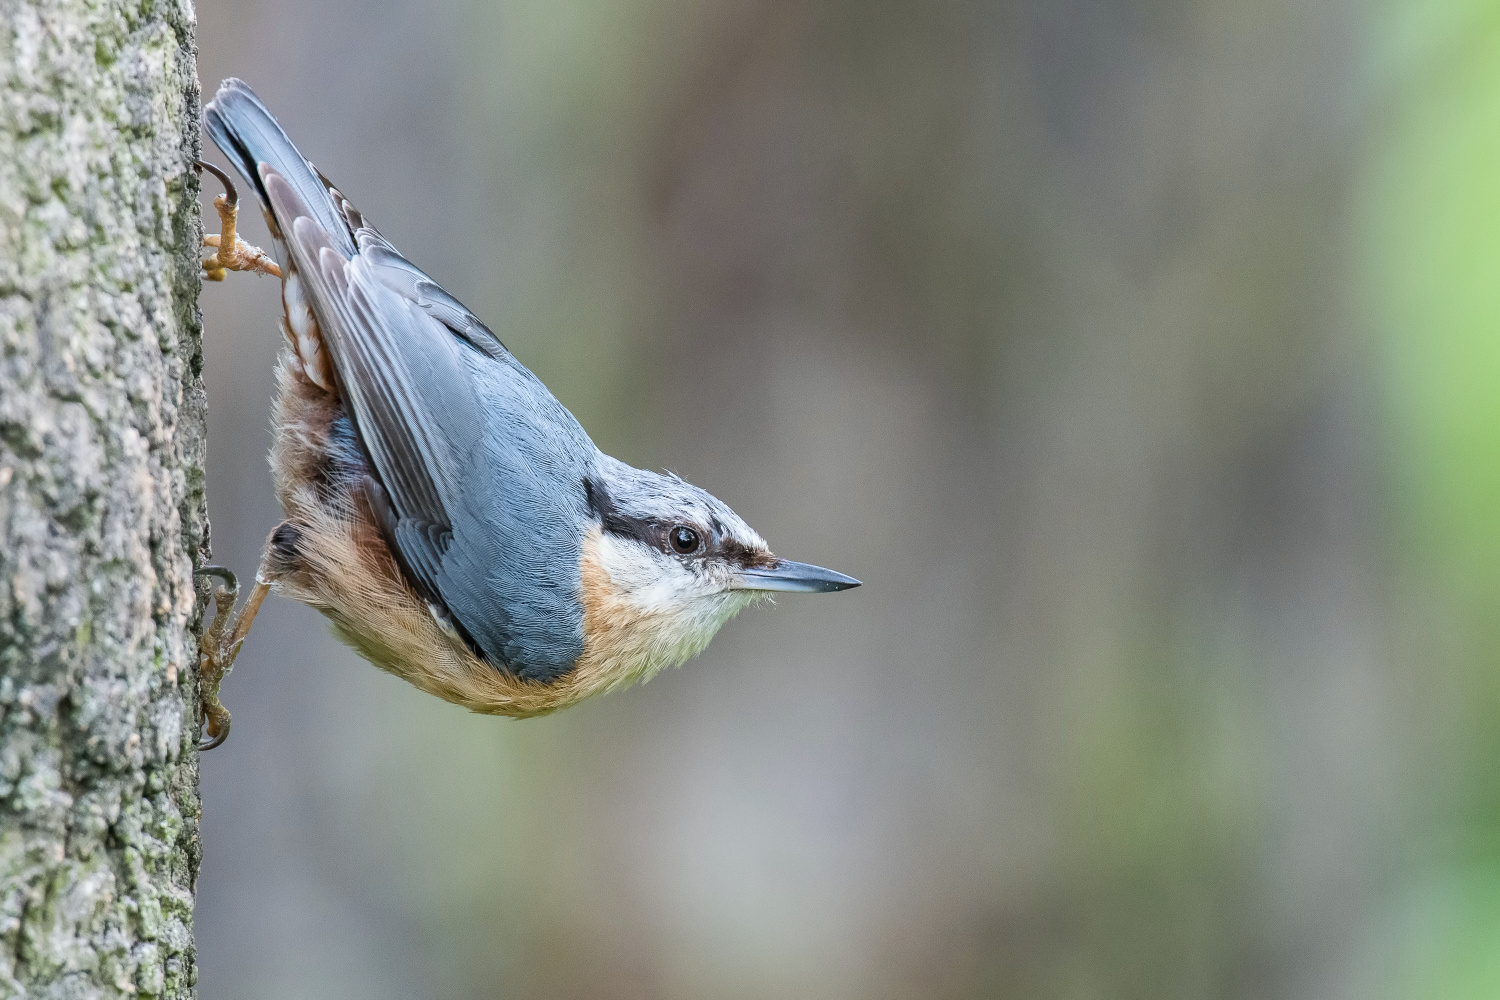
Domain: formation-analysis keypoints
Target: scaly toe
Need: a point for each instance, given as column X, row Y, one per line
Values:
column 234, row 254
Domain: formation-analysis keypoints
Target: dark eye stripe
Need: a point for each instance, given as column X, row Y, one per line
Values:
column 744, row 556
column 616, row 522
column 656, row 534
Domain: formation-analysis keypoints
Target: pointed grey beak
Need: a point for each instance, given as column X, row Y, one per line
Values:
column 795, row 577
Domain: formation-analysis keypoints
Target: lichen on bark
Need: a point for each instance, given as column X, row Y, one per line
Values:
column 101, row 497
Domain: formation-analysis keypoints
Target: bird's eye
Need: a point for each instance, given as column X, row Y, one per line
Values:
column 683, row 539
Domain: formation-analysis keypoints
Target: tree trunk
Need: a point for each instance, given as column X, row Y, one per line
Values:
column 101, row 497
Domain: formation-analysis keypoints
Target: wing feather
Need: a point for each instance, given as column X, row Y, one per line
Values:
column 481, row 467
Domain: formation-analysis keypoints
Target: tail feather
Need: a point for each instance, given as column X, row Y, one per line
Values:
column 242, row 127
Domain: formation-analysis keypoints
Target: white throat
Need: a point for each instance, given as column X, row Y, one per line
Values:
column 666, row 612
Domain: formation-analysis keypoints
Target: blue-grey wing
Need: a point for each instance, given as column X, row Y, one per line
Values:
column 244, row 129
column 407, row 280
column 480, row 469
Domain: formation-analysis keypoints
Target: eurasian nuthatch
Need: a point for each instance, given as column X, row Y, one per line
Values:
column 442, row 507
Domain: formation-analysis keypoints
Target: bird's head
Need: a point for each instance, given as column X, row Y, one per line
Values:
column 666, row 564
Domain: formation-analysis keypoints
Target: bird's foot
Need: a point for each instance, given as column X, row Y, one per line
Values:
column 219, row 645
column 231, row 252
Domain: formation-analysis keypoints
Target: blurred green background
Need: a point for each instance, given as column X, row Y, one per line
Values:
column 1142, row 356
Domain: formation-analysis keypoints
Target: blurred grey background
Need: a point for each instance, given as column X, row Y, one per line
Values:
column 1060, row 323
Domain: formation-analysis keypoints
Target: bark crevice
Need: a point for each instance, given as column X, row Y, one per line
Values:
column 102, row 512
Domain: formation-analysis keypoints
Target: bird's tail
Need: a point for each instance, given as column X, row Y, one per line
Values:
column 243, row 128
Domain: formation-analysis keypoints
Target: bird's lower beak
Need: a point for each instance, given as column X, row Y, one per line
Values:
column 795, row 577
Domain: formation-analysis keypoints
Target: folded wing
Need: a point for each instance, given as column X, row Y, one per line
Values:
column 479, row 468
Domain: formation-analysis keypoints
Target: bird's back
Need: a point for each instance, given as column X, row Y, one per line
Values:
column 477, row 471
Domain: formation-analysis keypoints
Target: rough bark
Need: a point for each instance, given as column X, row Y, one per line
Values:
column 101, row 497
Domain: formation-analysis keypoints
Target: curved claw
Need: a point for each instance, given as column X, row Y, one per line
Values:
column 231, row 195
column 216, row 735
column 230, row 252
column 231, row 582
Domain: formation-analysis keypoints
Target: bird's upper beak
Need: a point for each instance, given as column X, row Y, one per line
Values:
column 795, row 577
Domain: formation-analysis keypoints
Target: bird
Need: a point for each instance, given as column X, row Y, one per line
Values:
column 440, row 506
